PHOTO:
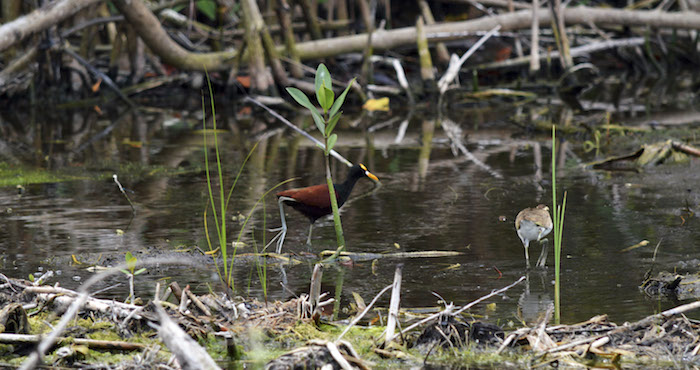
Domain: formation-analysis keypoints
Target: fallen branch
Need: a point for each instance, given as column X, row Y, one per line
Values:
column 7, row 338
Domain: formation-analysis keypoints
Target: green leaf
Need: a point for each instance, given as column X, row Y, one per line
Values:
column 331, row 142
column 320, row 146
column 339, row 102
column 318, row 120
column 125, row 272
column 140, row 271
column 301, row 98
column 129, row 257
column 332, row 122
column 208, row 7
column 321, row 97
column 31, row 276
column 304, row 101
column 329, row 97
column 322, row 77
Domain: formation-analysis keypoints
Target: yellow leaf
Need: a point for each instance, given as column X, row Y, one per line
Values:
column 381, row 104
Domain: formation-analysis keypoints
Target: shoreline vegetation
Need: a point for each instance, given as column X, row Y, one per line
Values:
column 122, row 335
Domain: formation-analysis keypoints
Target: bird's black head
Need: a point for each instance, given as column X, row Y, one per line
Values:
column 359, row 171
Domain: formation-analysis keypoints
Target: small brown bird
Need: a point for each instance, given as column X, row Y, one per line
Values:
column 314, row 202
column 534, row 224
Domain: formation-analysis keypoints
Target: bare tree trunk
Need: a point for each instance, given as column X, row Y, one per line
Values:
column 260, row 78
column 285, row 19
column 535, row 31
column 10, row 11
column 441, row 50
column 426, row 64
column 117, row 45
column 366, row 72
column 260, row 27
column 342, row 15
column 560, row 34
column 311, row 21
column 518, row 44
column 137, row 55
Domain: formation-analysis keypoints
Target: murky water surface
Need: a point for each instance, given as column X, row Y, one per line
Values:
column 426, row 203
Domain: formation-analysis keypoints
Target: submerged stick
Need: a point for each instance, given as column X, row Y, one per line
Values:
column 121, row 188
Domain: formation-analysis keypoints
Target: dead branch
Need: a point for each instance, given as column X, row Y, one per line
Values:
column 40, row 19
column 8, row 338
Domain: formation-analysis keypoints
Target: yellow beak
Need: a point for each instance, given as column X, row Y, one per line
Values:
column 371, row 176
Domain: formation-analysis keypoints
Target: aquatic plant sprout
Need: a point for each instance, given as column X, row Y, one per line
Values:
column 558, row 220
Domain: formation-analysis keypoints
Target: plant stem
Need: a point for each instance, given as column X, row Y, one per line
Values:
column 558, row 220
column 334, row 205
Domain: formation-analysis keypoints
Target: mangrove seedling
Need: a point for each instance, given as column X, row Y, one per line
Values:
column 131, row 261
column 325, row 122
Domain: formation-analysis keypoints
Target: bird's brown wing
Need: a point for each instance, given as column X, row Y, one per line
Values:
column 315, row 196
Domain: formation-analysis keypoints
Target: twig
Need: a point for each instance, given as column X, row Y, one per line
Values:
column 121, row 188
column 44, row 277
column 297, row 129
column 400, row 74
column 364, row 312
column 489, row 296
column 454, row 68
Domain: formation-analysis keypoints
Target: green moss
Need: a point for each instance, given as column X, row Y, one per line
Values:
column 11, row 175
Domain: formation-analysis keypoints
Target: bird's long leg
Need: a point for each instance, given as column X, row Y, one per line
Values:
column 308, row 240
column 283, row 232
column 542, row 261
column 274, row 239
column 527, row 255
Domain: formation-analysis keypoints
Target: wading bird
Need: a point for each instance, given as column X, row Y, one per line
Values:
column 314, row 202
column 534, row 224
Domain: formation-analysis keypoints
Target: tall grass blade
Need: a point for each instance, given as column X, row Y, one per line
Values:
column 558, row 220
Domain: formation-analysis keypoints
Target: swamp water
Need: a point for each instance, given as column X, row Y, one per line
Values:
column 435, row 203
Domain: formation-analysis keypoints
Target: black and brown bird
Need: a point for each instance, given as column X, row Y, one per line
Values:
column 534, row 224
column 314, row 201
